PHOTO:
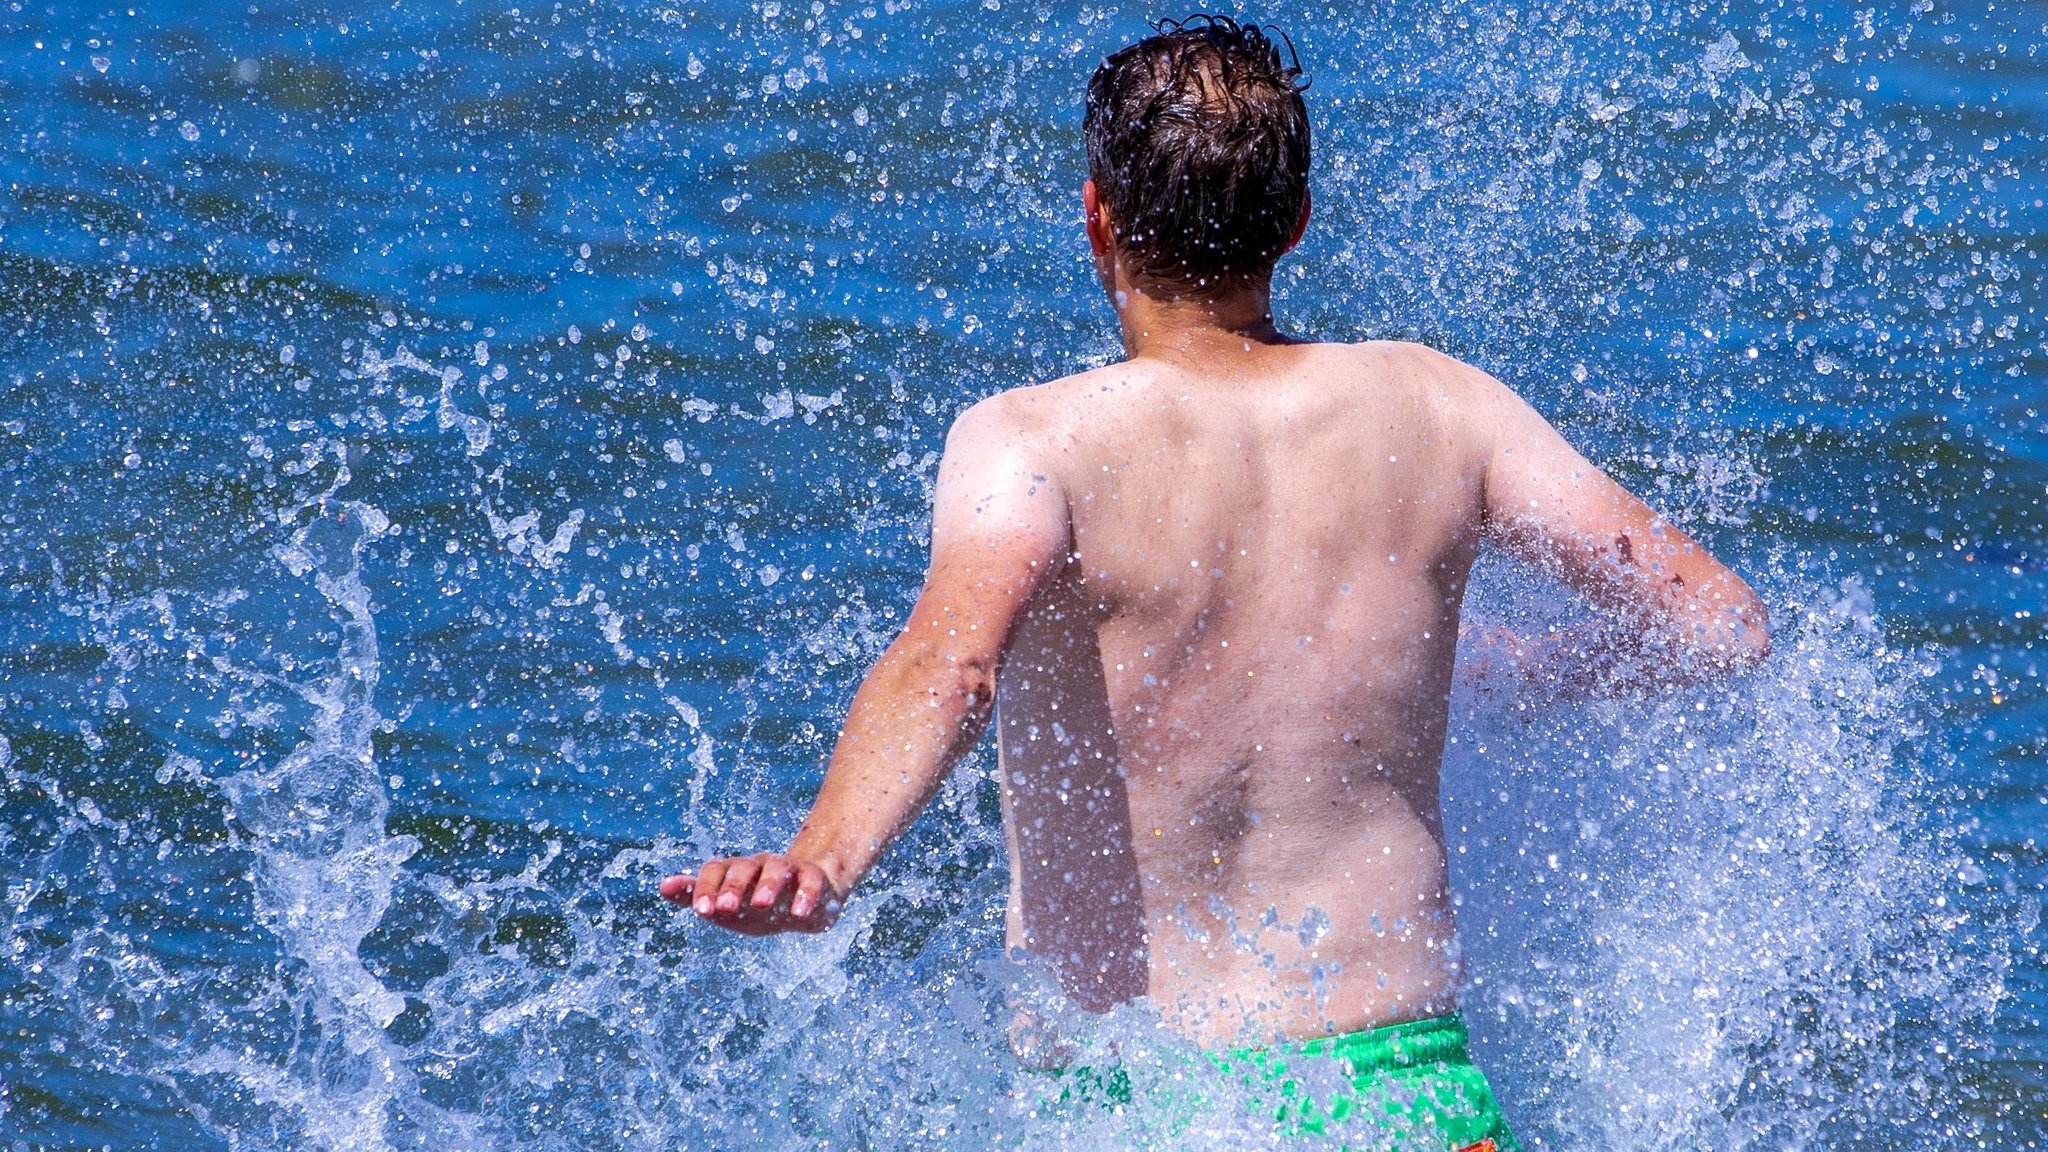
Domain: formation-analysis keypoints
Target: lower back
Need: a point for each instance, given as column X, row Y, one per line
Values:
column 1293, row 884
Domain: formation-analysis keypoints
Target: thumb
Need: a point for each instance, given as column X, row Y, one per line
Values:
column 676, row 889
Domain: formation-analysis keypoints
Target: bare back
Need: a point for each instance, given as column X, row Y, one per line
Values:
column 1214, row 599
column 1221, row 721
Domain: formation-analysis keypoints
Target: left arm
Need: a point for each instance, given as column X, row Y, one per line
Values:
column 1689, row 613
column 999, row 528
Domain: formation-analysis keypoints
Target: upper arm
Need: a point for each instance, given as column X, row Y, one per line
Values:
column 1551, row 506
column 999, row 529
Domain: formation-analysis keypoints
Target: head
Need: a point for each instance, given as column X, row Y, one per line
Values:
column 1198, row 147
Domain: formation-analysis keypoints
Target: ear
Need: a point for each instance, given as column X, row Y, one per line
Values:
column 1095, row 217
column 1301, row 225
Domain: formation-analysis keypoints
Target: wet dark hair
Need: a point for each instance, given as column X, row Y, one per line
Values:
column 1198, row 143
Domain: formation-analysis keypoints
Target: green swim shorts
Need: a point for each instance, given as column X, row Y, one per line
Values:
column 1408, row 1086
column 1415, row 1079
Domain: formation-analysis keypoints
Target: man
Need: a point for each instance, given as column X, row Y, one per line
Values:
column 1212, row 594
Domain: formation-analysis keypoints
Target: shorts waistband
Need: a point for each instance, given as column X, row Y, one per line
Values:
column 1427, row 1042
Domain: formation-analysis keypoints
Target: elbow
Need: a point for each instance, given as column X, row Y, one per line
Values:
column 960, row 686
column 1734, row 637
column 1732, row 626
column 1758, row 631
column 968, row 685
column 1751, row 649
column 1749, row 641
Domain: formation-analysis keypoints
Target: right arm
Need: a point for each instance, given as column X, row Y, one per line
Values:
column 999, row 529
column 1550, row 506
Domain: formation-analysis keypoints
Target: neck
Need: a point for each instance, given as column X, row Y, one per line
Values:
column 1157, row 323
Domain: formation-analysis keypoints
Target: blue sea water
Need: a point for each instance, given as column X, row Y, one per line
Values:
column 459, row 458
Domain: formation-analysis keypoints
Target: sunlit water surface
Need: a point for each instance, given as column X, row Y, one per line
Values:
column 459, row 458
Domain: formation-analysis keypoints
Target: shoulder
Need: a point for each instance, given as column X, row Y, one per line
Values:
column 1461, row 394
column 1039, row 416
column 1011, row 413
column 1426, row 365
column 1453, row 397
column 998, row 478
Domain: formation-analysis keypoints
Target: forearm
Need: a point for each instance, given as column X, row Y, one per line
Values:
column 1704, row 633
column 918, row 712
column 920, row 709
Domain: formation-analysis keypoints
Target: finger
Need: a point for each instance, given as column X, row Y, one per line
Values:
column 810, row 890
column 676, row 889
column 739, row 874
column 706, row 888
column 774, row 877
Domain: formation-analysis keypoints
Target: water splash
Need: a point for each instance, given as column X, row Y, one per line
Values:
column 1720, row 918
column 647, row 368
column 322, row 866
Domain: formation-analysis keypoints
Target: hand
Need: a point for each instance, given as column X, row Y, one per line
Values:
column 759, row 895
